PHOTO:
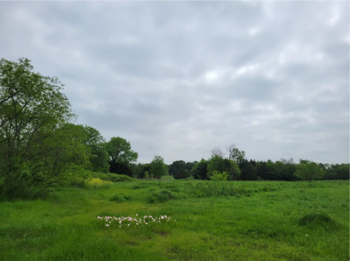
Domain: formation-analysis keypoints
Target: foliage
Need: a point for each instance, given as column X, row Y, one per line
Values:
column 159, row 197
column 112, row 177
column 216, row 163
column 119, row 198
column 27, row 182
column 264, row 226
column 98, row 155
column 138, row 170
column 147, row 175
column 235, row 154
column 248, row 171
column 120, row 155
column 200, row 170
column 219, row 176
column 317, row 220
column 158, row 168
column 67, row 148
column 98, row 183
column 32, row 109
column 309, row 171
column 119, row 150
column 232, row 169
column 182, row 173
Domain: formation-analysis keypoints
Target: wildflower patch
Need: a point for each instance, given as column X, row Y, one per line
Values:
column 127, row 222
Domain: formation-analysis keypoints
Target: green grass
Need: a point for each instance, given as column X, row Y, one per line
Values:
column 214, row 221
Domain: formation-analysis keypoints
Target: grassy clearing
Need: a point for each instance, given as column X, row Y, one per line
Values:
column 214, row 221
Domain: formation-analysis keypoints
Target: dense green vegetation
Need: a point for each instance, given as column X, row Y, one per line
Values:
column 41, row 148
column 60, row 182
column 243, row 220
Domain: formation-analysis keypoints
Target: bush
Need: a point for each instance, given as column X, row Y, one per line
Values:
column 98, row 183
column 217, row 176
column 112, row 177
column 161, row 196
column 317, row 220
column 25, row 183
column 120, row 198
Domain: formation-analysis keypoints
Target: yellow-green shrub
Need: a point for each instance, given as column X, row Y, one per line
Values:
column 98, row 183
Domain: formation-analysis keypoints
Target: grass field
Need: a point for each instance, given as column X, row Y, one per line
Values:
column 216, row 221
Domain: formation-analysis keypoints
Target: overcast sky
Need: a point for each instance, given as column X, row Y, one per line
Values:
column 176, row 79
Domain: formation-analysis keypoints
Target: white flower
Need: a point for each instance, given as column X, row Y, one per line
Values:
column 107, row 225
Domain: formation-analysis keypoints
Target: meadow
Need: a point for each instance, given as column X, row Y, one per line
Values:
column 205, row 220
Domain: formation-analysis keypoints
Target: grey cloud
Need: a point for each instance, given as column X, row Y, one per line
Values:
column 177, row 79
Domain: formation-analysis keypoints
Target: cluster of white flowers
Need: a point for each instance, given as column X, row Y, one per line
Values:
column 136, row 221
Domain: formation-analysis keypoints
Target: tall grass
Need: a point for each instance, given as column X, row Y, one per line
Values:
column 214, row 221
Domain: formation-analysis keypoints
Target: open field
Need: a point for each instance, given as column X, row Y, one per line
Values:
column 243, row 220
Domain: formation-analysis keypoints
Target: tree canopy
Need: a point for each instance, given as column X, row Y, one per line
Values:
column 158, row 168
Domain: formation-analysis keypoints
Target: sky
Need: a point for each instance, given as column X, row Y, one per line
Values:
column 177, row 79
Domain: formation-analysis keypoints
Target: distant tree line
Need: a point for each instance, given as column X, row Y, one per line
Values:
column 239, row 168
column 41, row 147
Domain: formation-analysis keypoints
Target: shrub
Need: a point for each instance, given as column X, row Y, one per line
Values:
column 112, row 177
column 98, row 183
column 217, row 176
column 161, row 196
column 120, row 198
column 317, row 220
column 25, row 183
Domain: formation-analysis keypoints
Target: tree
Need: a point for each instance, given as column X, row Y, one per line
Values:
column 232, row 169
column 182, row 174
column 200, row 170
column 235, row 154
column 217, row 152
column 67, row 148
column 98, row 151
column 176, row 166
column 158, row 168
column 308, row 170
column 120, row 155
column 248, row 171
column 216, row 163
column 32, row 110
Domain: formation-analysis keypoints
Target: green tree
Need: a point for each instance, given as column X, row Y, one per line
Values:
column 235, row 154
column 216, row 163
column 200, row 170
column 232, row 169
column 32, row 108
column 176, row 166
column 98, row 152
column 308, row 170
column 248, row 171
column 32, row 111
column 158, row 168
column 120, row 155
column 67, row 147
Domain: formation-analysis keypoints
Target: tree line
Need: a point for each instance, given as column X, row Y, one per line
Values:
column 40, row 146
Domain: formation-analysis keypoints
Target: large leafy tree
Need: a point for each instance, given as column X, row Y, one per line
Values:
column 98, row 152
column 120, row 155
column 308, row 170
column 200, row 170
column 216, row 163
column 158, row 168
column 32, row 109
column 248, row 171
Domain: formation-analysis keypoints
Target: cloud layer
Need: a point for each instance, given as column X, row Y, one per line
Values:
column 179, row 78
